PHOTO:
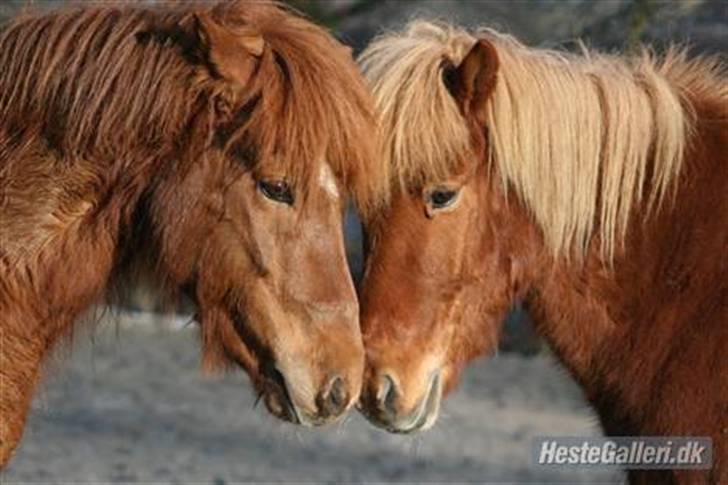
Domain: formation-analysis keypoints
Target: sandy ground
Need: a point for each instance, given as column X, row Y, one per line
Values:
column 128, row 404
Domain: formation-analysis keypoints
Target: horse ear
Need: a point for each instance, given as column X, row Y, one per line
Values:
column 473, row 81
column 232, row 51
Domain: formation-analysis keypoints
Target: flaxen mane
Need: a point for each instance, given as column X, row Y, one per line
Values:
column 581, row 138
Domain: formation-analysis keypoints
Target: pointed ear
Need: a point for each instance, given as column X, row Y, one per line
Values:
column 472, row 82
column 232, row 51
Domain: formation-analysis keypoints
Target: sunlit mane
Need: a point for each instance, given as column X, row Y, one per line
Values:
column 582, row 139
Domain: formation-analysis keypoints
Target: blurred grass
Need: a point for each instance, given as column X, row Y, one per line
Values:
column 641, row 13
column 325, row 13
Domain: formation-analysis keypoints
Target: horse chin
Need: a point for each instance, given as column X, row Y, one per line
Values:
column 277, row 399
column 279, row 403
column 270, row 383
column 260, row 365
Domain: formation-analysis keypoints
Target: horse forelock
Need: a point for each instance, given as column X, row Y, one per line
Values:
column 314, row 107
column 580, row 138
column 422, row 133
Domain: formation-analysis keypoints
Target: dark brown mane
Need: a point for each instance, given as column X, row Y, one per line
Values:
column 115, row 80
column 62, row 73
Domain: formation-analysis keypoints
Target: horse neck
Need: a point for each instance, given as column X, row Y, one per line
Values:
column 620, row 329
column 66, row 236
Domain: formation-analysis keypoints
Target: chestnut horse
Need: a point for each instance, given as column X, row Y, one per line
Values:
column 592, row 187
column 220, row 140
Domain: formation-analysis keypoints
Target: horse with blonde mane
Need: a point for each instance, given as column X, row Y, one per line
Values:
column 593, row 187
column 220, row 141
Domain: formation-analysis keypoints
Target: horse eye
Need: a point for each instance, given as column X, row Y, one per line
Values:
column 439, row 199
column 276, row 190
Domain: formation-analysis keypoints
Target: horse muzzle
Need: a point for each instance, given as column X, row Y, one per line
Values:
column 330, row 403
column 383, row 406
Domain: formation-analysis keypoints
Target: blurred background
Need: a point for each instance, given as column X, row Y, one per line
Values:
column 608, row 24
column 125, row 402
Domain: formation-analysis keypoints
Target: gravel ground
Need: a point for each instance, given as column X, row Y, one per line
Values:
column 128, row 404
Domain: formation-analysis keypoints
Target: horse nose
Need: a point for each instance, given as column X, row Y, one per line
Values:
column 389, row 406
column 386, row 395
column 333, row 400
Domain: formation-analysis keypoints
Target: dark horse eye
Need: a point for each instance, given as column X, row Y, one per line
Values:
column 277, row 190
column 442, row 198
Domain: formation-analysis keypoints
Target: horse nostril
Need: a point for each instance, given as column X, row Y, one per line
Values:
column 333, row 401
column 387, row 394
